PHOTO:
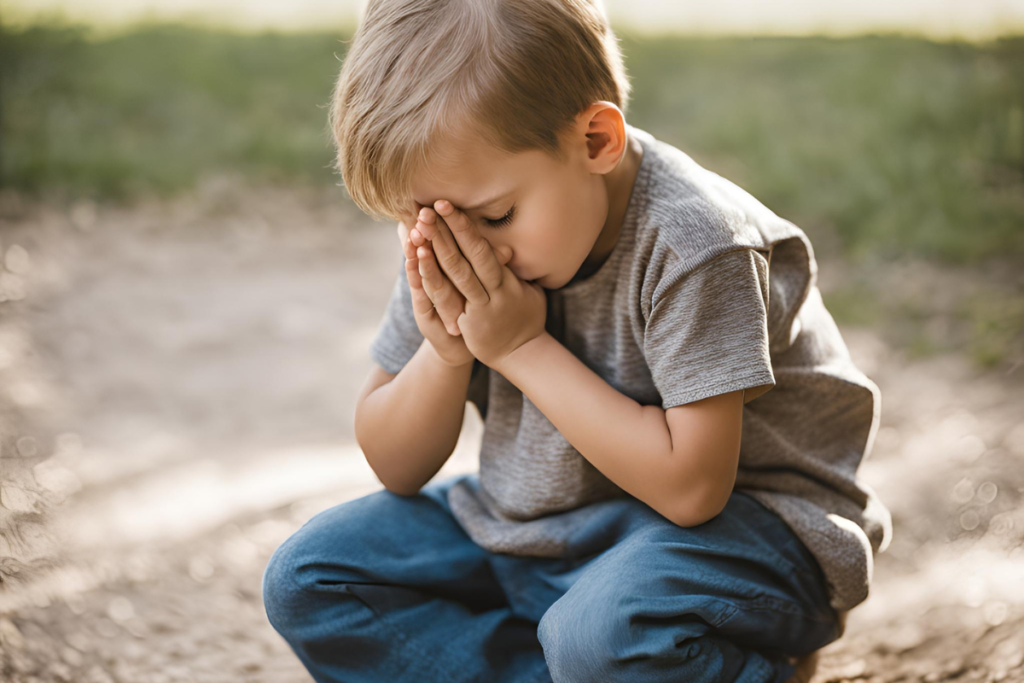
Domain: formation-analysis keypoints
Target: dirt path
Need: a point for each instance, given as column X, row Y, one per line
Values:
column 200, row 360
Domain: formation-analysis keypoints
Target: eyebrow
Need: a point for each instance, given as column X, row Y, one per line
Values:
column 479, row 205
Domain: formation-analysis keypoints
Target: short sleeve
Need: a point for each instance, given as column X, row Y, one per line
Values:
column 398, row 337
column 707, row 332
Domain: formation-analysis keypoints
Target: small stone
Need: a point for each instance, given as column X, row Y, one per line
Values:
column 17, row 499
column 10, row 636
column 17, row 260
column 994, row 612
column 963, row 492
column 120, row 609
column 970, row 520
column 200, row 568
column 987, row 492
column 27, row 447
column 72, row 656
column 60, row 671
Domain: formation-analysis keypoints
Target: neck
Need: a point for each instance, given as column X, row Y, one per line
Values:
column 619, row 183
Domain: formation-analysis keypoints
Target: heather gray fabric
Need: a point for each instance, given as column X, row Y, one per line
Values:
column 706, row 291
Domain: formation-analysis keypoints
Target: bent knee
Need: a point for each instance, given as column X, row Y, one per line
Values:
column 607, row 644
column 283, row 596
column 300, row 569
column 316, row 562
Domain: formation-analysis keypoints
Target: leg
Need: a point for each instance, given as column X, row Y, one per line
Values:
column 389, row 588
column 729, row 600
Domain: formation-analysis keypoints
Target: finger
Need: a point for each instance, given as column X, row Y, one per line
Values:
column 412, row 270
column 403, row 234
column 417, row 237
column 449, row 256
column 408, row 248
column 421, row 302
column 476, row 249
column 447, row 300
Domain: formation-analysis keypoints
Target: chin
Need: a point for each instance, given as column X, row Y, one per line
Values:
column 549, row 282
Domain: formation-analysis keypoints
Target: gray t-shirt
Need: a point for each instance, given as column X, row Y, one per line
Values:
column 706, row 291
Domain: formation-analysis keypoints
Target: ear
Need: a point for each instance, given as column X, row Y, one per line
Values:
column 604, row 127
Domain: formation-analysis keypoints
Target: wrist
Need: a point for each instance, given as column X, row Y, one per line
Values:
column 521, row 354
column 438, row 359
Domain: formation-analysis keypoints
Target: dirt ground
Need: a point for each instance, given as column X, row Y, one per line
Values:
column 198, row 361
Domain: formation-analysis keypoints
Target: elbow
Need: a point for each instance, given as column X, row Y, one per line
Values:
column 702, row 503
column 694, row 515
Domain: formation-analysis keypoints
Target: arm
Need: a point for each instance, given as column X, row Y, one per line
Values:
column 682, row 462
column 408, row 424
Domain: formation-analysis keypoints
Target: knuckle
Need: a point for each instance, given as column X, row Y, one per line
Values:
column 453, row 264
column 480, row 248
column 449, row 297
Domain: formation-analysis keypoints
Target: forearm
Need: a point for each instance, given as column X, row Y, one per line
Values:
column 628, row 442
column 408, row 428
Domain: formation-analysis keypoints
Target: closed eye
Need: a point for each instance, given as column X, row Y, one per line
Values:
column 503, row 221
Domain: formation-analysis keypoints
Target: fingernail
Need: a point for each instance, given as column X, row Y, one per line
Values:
column 421, row 252
column 444, row 208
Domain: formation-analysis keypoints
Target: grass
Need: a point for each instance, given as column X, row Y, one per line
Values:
column 880, row 147
column 893, row 145
column 156, row 109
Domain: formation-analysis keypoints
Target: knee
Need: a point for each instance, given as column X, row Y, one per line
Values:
column 294, row 576
column 586, row 643
column 602, row 642
column 283, row 595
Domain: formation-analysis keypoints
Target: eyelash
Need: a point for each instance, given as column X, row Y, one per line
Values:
column 504, row 220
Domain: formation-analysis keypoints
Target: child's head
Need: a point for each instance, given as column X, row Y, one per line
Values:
column 469, row 100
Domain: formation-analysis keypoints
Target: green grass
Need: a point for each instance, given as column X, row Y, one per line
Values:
column 155, row 109
column 892, row 145
column 877, row 146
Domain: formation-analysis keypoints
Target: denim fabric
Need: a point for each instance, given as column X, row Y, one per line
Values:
column 390, row 588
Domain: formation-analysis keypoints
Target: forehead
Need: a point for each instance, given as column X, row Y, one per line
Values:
column 468, row 172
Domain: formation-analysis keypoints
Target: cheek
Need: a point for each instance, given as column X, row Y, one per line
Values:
column 548, row 240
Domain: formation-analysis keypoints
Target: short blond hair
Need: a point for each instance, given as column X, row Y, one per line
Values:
column 516, row 73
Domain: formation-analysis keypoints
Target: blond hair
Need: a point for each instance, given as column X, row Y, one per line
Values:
column 515, row 73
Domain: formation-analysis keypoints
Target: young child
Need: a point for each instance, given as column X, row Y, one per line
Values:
column 668, row 482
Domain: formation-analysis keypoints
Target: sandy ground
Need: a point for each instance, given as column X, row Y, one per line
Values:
column 198, row 362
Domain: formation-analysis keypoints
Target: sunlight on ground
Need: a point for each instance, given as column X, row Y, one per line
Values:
column 191, row 498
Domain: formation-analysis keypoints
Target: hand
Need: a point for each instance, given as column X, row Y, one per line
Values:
column 451, row 349
column 502, row 312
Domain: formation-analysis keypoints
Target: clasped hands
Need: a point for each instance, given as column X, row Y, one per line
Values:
column 467, row 302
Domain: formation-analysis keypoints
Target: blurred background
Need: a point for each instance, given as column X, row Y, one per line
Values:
column 187, row 297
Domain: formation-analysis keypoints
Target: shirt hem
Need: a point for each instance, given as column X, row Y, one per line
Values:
column 391, row 362
column 747, row 382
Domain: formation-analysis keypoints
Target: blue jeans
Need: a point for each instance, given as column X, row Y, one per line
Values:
column 390, row 588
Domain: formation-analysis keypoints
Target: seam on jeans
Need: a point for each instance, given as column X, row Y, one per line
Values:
column 405, row 640
column 728, row 614
column 771, row 603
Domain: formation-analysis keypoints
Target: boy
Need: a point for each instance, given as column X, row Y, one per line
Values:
column 620, row 317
